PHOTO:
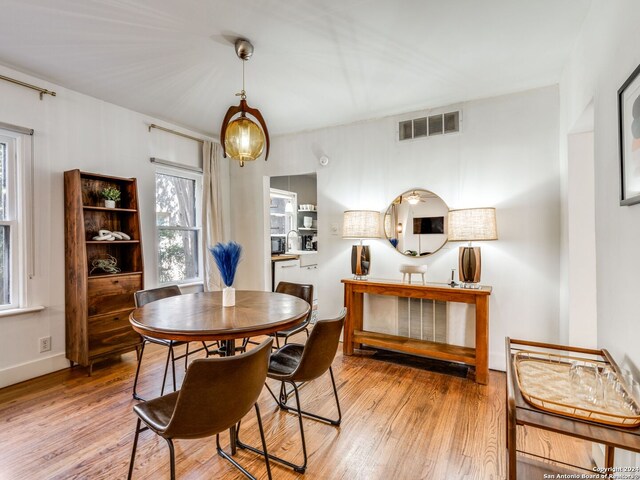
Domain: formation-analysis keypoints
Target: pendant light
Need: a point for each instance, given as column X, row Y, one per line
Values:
column 242, row 139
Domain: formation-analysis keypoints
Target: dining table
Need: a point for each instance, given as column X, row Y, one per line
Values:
column 198, row 317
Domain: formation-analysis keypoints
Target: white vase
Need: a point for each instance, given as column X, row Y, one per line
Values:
column 228, row 297
column 110, row 203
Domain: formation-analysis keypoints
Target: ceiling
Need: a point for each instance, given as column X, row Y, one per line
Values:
column 316, row 62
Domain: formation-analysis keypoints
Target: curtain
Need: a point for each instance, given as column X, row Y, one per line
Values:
column 211, row 212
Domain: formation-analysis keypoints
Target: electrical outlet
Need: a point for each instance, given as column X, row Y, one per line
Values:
column 45, row 344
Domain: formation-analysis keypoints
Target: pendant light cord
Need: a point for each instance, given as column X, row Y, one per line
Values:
column 242, row 94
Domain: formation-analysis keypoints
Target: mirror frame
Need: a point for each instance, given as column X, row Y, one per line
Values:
column 396, row 201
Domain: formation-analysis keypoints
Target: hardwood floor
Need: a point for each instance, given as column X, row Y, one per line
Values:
column 399, row 423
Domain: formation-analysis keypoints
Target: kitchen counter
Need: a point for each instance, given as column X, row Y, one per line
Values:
column 282, row 257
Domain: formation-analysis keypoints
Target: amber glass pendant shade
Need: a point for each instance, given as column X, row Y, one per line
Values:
column 244, row 140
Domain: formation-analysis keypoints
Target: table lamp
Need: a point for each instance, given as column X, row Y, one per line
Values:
column 361, row 224
column 468, row 225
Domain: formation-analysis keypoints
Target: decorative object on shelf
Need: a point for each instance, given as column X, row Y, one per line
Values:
column 407, row 269
column 241, row 138
column 415, row 220
column 227, row 257
column 361, row 224
column 107, row 235
column 107, row 264
column 308, row 221
column 467, row 225
column 111, row 195
column 629, row 133
column 453, row 283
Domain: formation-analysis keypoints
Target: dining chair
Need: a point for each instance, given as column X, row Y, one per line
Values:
column 215, row 395
column 300, row 290
column 294, row 363
column 142, row 297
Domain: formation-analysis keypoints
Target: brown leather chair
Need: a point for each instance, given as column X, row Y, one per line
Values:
column 215, row 395
column 142, row 297
column 295, row 363
column 303, row 291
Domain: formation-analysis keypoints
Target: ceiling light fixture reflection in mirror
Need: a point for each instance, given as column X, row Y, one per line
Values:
column 415, row 224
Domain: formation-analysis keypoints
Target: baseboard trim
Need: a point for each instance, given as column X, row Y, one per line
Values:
column 35, row 368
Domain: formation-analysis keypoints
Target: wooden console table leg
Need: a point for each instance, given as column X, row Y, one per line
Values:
column 608, row 457
column 353, row 302
column 482, row 339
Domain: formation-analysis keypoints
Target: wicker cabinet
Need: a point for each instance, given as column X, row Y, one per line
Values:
column 98, row 302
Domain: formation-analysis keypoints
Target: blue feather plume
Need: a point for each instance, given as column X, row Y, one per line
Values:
column 227, row 257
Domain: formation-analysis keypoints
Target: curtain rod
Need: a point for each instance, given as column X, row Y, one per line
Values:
column 180, row 166
column 42, row 91
column 16, row 128
column 153, row 125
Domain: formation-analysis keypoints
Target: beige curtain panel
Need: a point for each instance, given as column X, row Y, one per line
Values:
column 211, row 212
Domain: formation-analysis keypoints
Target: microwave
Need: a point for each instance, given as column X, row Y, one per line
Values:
column 277, row 245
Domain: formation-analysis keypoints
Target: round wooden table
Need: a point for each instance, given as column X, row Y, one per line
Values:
column 201, row 317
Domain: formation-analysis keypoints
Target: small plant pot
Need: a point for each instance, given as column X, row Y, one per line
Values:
column 228, row 297
column 110, row 203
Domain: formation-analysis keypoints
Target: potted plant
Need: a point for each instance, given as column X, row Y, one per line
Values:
column 111, row 195
column 227, row 257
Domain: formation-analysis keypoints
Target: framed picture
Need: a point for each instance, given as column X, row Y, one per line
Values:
column 629, row 131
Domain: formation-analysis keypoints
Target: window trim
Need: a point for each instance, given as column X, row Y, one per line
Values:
column 197, row 177
column 16, row 228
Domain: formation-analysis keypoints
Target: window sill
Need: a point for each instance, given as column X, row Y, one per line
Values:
column 20, row 311
column 190, row 284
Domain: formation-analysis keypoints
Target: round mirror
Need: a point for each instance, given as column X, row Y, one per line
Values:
column 415, row 223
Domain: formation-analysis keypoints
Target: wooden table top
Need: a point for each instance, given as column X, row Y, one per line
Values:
column 417, row 285
column 201, row 316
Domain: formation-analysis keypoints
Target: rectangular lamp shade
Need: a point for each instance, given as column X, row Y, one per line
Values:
column 472, row 224
column 361, row 224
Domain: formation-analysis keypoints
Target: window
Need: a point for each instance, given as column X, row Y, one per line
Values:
column 178, row 227
column 9, row 274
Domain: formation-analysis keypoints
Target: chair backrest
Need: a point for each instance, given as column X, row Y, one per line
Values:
column 300, row 290
column 142, row 297
column 218, row 392
column 320, row 349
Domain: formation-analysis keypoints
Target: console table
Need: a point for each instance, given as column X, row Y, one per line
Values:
column 355, row 336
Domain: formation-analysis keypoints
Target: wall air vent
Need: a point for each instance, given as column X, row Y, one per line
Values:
column 429, row 126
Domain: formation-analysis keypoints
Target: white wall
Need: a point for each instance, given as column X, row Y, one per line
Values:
column 604, row 56
column 506, row 156
column 75, row 131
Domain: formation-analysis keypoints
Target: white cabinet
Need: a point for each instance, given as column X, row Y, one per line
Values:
column 299, row 271
column 286, row 271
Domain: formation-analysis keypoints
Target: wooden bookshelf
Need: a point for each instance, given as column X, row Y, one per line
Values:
column 98, row 303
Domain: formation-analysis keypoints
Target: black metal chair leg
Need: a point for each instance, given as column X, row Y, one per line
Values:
column 173, row 367
column 135, row 380
column 335, row 393
column 264, row 442
column 298, row 468
column 172, row 458
column 285, row 395
column 133, row 452
column 229, row 458
column 186, row 357
column 166, row 369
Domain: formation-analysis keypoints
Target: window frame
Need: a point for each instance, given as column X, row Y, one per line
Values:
column 189, row 175
column 16, row 251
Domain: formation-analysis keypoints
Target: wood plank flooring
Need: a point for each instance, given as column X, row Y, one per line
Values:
column 399, row 423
